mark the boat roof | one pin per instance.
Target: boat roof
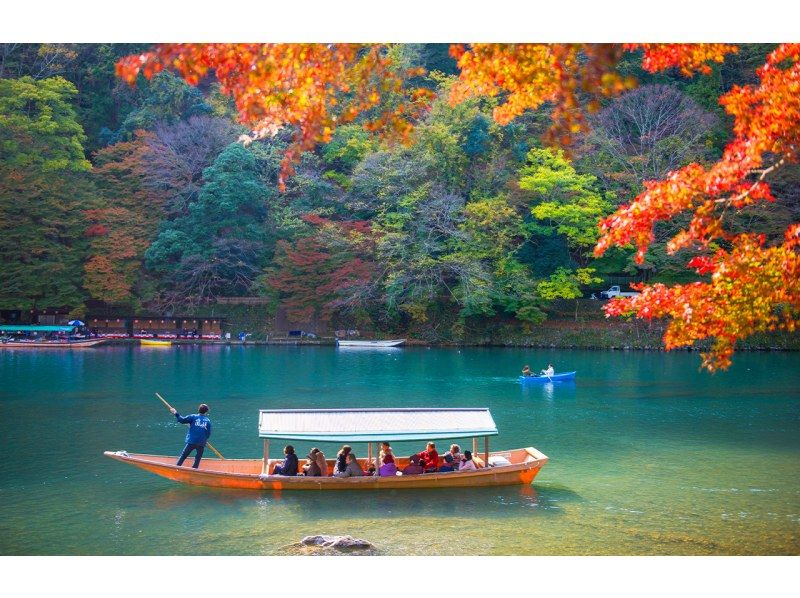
(374, 425)
(34, 328)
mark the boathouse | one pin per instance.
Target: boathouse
(157, 326)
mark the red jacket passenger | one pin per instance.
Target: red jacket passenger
(429, 458)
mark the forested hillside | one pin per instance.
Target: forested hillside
(146, 197)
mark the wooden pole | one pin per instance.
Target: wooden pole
(474, 445)
(211, 446)
(486, 451)
(265, 462)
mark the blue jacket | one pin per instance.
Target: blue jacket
(199, 428)
(290, 464)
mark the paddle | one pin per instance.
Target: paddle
(211, 446)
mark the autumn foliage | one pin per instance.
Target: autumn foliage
(310, 87)
(750, 286)
(753, 287)
(312, 278)
(122, 229)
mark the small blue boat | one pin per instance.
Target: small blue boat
(563, 377)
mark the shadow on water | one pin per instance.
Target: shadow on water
(498, 502)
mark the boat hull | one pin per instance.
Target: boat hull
(155, 343)
(82, 344)
(566, 376)
(246, 474)
(371, 344)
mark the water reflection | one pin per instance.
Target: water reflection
(549, 390)
(500, 502)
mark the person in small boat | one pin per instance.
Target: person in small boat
(413, 467)
(526, 371)
(290, 465)
(341, 459)
(316, 466)
(467, 464)
(549, 371)
(352, 469)
(197, 436)
(429, 458)
(452, 458)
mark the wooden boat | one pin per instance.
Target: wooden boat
(31, 336)
(353, 426)
(563, 377)
(67, 344)
(370, 344)
(152, 342)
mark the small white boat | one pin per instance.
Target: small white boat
(387, 343)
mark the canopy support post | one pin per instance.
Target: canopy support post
(486, 451)
(474, 445)
(265, 462)
(377, 459)
(369, 455)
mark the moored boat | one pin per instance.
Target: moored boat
(30, 336)
(500, 468)
(563, 377)
(152, 342)
(374, 344)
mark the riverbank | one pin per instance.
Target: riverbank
(569, 325)
(622, 336)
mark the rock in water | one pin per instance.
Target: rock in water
(343, 543)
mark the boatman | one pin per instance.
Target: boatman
(197, 436)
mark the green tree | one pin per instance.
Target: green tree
(42, 237)
(44, 190)
(164, 99)
(566, 284)
(220, 246)
(568, 202)
(38, 125)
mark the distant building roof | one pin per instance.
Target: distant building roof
(374, 425)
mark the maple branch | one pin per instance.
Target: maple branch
(763, 174)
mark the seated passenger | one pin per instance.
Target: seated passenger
(452, 458)
(321, 462)
(388, 467)
(386, 449)
(289, 465)
(341, 459)
(526, 371)
(352, 469)
(429, 458)
(467, 464)
(413, 467)
(316, 467)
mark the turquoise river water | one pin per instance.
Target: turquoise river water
(648, 456)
